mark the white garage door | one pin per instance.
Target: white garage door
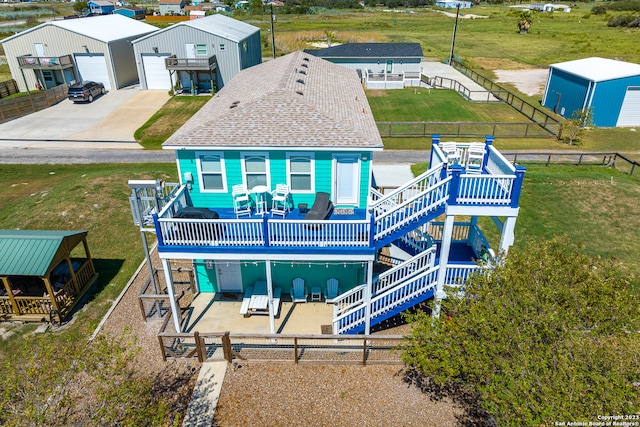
(155, 72)
(93, 67)
(630, 110)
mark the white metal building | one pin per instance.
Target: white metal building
(95, 48)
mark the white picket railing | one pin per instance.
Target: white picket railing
(413, 209)
(212, 232)
(458, 274)
(410, 190)
(485, 190)
(402, 272)
(318, 233)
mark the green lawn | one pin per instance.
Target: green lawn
(173, 114)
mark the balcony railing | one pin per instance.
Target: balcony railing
(48, 62)
(173, 63)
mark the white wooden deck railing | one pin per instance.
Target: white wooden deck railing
(411, 189)
(344, 320)
(318, 233)
(497, 164)
(412, 209)
(404, 271)
(457, 274)
(489, 190)
(212, 232)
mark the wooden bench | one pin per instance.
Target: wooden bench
(244, 308)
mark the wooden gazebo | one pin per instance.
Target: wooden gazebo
(43, 273)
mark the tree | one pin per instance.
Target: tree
(575, 126)
(80, 6)
(551, 334)
(524, 22)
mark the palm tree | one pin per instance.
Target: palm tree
(524, 23)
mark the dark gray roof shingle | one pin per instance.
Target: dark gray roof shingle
(273, 105)
(370, 50)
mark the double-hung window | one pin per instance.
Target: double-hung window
(300, 172)
(211, 172)
(255, 167)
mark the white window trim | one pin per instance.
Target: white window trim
(223, 171)
(264, 154)
(205, 49)
(312, 172)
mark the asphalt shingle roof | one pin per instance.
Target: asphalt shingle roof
(370, 50)
(274, 104)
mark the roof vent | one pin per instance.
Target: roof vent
(305, 65)
(235, 103)
(302, 72)
(305, 59)
(300, 81)
(299, 92)
(233, 106)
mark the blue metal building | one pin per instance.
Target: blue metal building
(611, 88)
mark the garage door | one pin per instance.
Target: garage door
(93, 67)
(630, 110)
(155, 73)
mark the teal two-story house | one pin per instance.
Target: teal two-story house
(277, 201)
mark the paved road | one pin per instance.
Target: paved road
(70, 156)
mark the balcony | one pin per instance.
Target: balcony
(46, 62)
(191, 64)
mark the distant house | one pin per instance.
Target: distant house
(131, 12)
(205, 52)
(57, 52)
(171, 7)
(611, 88)
(380, 65)
(101, 7)
(454, 4)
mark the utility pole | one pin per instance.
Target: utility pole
(453, 37)
(273, 35)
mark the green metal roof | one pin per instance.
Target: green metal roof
(30, 252)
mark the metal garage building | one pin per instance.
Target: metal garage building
(96, 48)
(204, 52)
(611, 88)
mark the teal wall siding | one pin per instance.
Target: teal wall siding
(348, 274)
(608, 99)
(566, 92)
(323, 168)
(206, 278)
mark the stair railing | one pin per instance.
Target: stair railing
(412, 266)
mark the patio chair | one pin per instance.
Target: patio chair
(475, 158)
(298, 290)
(321, 208)
(241, 200)
(453, 153)
(280, 200)
(331, 291)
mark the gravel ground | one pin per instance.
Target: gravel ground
(530, 82)
(287, 394)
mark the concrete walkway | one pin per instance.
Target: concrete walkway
(206, 392)
(438, 69)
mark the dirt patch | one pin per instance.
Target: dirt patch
(530, 82)
(499, 64)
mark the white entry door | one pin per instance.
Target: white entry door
(93, 67)
(39, 47)
(229, 276)
(155, 72)
(346, 180)
(190, 50)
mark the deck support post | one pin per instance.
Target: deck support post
(166, 266)
(507, 238)
(447, 233)
(367, 299)
(272, 322)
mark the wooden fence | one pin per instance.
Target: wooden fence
(8, 87)
(528, 110)
(16, 107)
(469, 129)
(616, 160)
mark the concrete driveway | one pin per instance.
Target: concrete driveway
(108, 122)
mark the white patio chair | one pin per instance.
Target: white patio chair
(331, 291)
(280, 200)
(475, 158)
(298, 290)
(453, 153)
(241, 200)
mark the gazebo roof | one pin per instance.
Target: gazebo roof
(35, 252)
